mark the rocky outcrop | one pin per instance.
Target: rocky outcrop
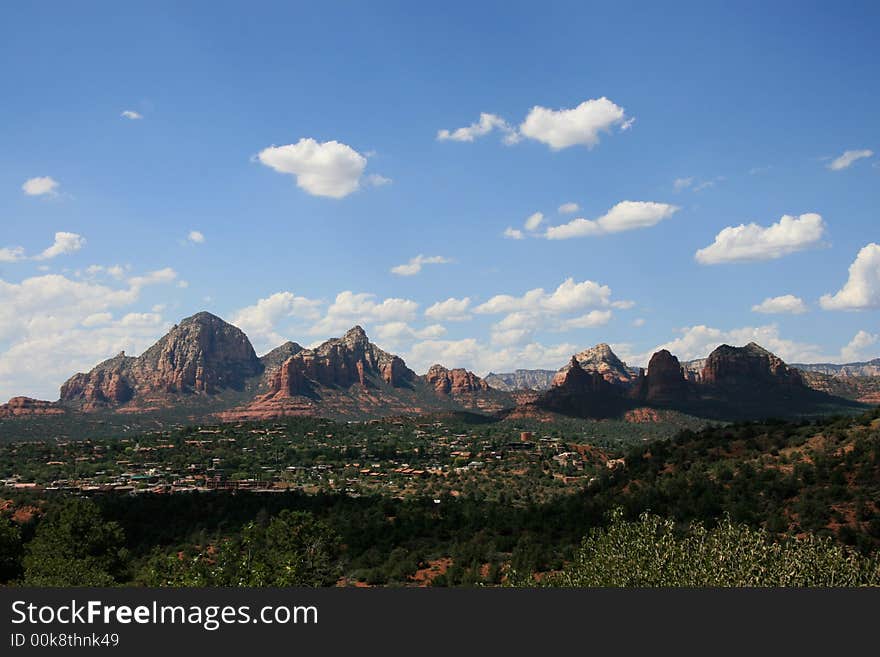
(27, 406)
(665, 379)
(339, 363)
(454, 382)
(863, 369)
(750, 366)
(583, 393)
(521, 380)
(201, 355)
(602, 360)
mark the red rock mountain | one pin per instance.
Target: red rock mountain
(455, 381)
(202, 354)
(750, 366)
(604, 361)
(664, 381)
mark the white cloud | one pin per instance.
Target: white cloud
(682, 183)
(414, 266)
(846, 160)
(260, 321)
(351, 308)
(481, 358)
(592, 319)
(159, 276)
(132, 115)
(40, 186)
(568, 208)
(580, 125)
(626, 215)
(513, 233)
(750, 242)
(64, 243)
(638, 322)
(11, 254)
(785, 304)
(395, 334)
(52, 326)
(451, 310)
(570, 296)
(534, 220)
(329, 168)
(196, 237)
(862, 289)
(377, 180)
(861, 347)
(486, 124)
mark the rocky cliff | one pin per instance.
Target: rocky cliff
(602, 360)
(521, 380)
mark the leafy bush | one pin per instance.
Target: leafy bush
(651, 552)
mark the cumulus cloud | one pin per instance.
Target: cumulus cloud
(570, 296)
(482, 358)
(40, 186)
(513, 233)
(350, 308)
(12, 254)
(846, 160)
(132, 115)
(568, 208)
(751, 242)
(451, 310)
(260, 321)
(331, 168)
(196, 237)
(486, 124)
(862, 289)
(534, 221)
(64, 243)
(785, 304)
(580, 125)
(396, 334)
(626, 215)
(414, 266)
(592, 319)
(52, 326)
(861, 347)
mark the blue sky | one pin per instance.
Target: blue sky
(302, 144)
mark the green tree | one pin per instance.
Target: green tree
(10, 550)
(74, 546)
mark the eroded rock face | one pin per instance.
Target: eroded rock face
(202, 354)
(339, 363)
(748, 366)
(455, 381)
(665, 379)
(27, 406)
(602, 360)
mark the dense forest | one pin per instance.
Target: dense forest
(776, 497)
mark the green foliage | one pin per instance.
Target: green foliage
(292, 549)
(10, 550)
(74, 546)
(650, 552)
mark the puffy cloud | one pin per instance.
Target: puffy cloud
(166, 275)
(351, 308)
(482, 358)
(260, 321)
(40, 186)
(785, 304)
(329, 168)
(52, 326)
(592, 319)
(451, 310)
(11, 254)
(414, 266)
(846, 160)
(486, 124)
(862, 289)
(861, 347)
(570, 296)
(513, 233)
(568, 208)
(638, 322)
(196, 237)
(750, 242)
(64, 243)
(580, 125)
(534, 220)
(395, 334)
(132, 115)
(626, 215)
